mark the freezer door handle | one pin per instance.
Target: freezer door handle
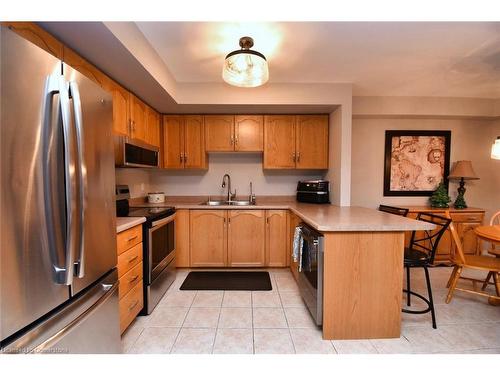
(82, 172)
(63, 274)
(109, 289)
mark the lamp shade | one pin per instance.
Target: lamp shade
(463, 169)
(495, 149)
(245, 67)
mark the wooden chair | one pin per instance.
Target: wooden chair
(394, 210)
(495, 250)
(478, 262)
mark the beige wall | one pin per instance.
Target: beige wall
(243, 169)
(470, 140)
(136, 179)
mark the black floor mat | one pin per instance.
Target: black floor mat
(227, 280)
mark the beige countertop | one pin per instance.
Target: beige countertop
(322, 217)
(124, 223)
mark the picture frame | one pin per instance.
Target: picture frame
(416, 161)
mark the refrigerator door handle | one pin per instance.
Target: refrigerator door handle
(82, 169)
(55, 84)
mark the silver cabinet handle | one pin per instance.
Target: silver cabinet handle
(294, 158)
(298, 156)
(180, 157)
(82, 171)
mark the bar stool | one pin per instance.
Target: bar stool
(394, 210)
(420, 254)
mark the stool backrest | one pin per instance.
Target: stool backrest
(428, 240)
(394, 210)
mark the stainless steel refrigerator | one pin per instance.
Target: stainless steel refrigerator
(59, 288)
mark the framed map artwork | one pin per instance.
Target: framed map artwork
(416, 161)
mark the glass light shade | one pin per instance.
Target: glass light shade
(495, 149)
(245, 69)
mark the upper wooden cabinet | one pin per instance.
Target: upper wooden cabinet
(296, 142)
(246, 238)
(138, 118)
(234, 133)
(121, 118)
(279, 142)
(312, 142)
(277, 238)
(153, 127)
(219, 133)
(36, 35)
(248, 133)
(184, 142)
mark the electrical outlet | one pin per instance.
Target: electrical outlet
(142, 187)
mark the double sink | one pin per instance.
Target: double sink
(228, 203)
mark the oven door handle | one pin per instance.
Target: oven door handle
(163, 221)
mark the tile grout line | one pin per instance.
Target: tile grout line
(218, 322)
(182, 325)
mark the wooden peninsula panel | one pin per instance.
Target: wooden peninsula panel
(363, 277)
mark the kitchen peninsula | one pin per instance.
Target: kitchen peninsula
(363, 257)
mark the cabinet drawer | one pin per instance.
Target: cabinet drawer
(129, 259)
(126, 239)
(130, 305)
(130, 280)
(465, 217)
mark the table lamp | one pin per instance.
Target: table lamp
(462, 170)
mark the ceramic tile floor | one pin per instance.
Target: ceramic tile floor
(278, 322)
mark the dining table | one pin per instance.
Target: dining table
(490, 233)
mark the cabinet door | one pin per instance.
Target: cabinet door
(445, 247)
(246, 238)
(173, 142)
(312, 142)
(468, 237)
(152, 127)
(248, 133)
(194, 142)
(182, 238)
(121, 120)
(219, 132)
(279, 142)
(208, 238)
(294, 266)
(138, 118)
(276, 238)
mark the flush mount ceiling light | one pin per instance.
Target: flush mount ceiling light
(245, 67)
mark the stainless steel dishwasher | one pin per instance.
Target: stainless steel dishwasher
(311, 257)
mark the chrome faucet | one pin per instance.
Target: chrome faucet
(230, 195)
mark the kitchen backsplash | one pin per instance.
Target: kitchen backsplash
(242, 168)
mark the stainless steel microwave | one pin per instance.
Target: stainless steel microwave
(134, 153)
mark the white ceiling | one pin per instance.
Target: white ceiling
(379, 58)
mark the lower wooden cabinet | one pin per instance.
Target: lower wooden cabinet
(182, 238)
(130, 305)
(246, 238)
(208, 238)
(277, 248)
(130, 292)
(233, 238)
(465, 220)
